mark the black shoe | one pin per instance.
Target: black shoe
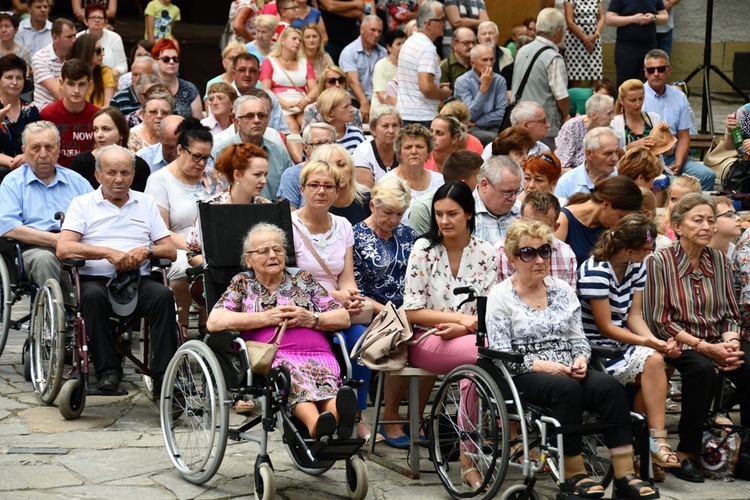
(624, 489)
(688, 471)
(109, 383)
(346, 405)
(325, 426)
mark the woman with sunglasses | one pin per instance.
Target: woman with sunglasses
(448, 256)
(587, 215)
(89, 48)
(177, 188)
(114, 52)
(324, 246)
(187, 101)
(540, 316)
(158, 104)
(610, 286)
(331, 77)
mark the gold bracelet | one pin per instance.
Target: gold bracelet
(695, 347)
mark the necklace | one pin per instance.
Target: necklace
(416, 185)
(526, 295)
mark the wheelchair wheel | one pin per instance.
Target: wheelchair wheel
(595, 457)
(47, 341)
(26, 361)
(480, 431)
(148, 386)
(518, 492)
(6, 300)
(265, 483)
(357, 482)
(72, 399)
(194, 412)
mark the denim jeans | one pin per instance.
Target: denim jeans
(705, 175)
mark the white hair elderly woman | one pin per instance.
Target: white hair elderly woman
(599, 112)
(377, 157)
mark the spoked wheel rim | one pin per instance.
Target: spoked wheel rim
(6, 300)
(47, 346)
(480, 433)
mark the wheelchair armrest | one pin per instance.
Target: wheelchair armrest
(161, 263)
(231, 334)
(508, 357)
(74, 262)
(606, 352)
(196, 270)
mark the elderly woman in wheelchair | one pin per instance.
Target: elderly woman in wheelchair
(266, 296)
(539, 316)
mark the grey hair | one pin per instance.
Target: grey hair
(159, 96)
(146, 80)
(325, 126)
(592, 141)
(243, 99)
(112, 147)
(260, 227)
(150, 60)
(370, 19)
(549, 22)
(382, 111)
(656, 54)
(474, 52)
(524, 111)
(687, 203)
(598, 103)
(426, 12)
(391, 192)
(35, 127)
(484, 24)
(493, 168)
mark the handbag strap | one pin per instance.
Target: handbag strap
(279, 333)
(278, 64)
(525, 78)
(315, 254)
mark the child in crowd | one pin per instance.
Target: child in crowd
(160, 18)
(728, 226)
(287, 14)
(648, 207)
(681, 186)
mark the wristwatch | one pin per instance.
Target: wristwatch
(317, 318)
(150, 250)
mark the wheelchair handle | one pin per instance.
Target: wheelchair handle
(475, 296)
(462, 290)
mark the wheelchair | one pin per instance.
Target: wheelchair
(206, 377)
(485, 436)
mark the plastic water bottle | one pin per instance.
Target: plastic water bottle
(737, 138)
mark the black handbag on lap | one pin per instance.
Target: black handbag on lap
(737, 177)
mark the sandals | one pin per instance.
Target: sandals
(659, 475)
(630, 486)
(516, 456)
(661, 453)
(242, 407)
(476, 484)
(580, 485)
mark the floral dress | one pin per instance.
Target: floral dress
(10, 131)
(398, 12)
(306, 353)
(380, 265)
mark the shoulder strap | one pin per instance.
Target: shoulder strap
(299, 61)
(279, 333)
(528, 72)
(315, 254)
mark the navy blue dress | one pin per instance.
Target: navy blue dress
(581, 239)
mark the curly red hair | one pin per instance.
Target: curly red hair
(162, 45)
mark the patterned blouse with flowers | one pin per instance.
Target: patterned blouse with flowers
(400, 12)
(195, 236)
(429, 281)
(10, 131)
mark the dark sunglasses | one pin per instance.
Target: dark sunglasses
(340, 80)
(166, 59)
(527, 254)
(99, 51)
(544, 157)
(660, 69)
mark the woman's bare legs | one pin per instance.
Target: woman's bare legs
(309, 412)
(395, 389)
(294, 148)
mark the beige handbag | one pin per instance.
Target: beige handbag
(383, 346)
(719, 158)
(262, 354)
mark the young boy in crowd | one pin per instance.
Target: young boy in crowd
(72, 114)
(160, 18)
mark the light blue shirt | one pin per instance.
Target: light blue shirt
(487, 110)
(277, 120)
(154, 156)
(27, 201)
(278, 161)
(576, 181)
(289, 188)
(32, 39)
(355, 57)
(672, 106)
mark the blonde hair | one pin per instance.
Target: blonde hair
(316, 29)
(627, 86)
(266, 21)
(692, 184)
(525, 229)
(326, 152)
(322, 77)
(391, 192)
(457, 108)
(639, 162)
(233, 46)
(329, 99)
(288, 31)
(222, 88)
(320, 167)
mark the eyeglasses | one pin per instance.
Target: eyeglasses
(95, 18)
(467, 43)
(166, 59)
(217, 98)
(332, 81)
(544, 157)
(660, 69)
(527, 254)
(158, 112)
(507, 194)
(198, 158)
(253, 116)
(543, 120)
(438, 20)
(267, 250)
(729, 214)
(318, 144)
(99, 51)
(314, 186)
(250, 71)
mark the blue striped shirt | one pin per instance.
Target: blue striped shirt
(597, 280)
(352, 138)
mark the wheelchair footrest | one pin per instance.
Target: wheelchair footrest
(334, 449)
(97, 392)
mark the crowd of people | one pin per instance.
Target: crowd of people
(418, 155)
